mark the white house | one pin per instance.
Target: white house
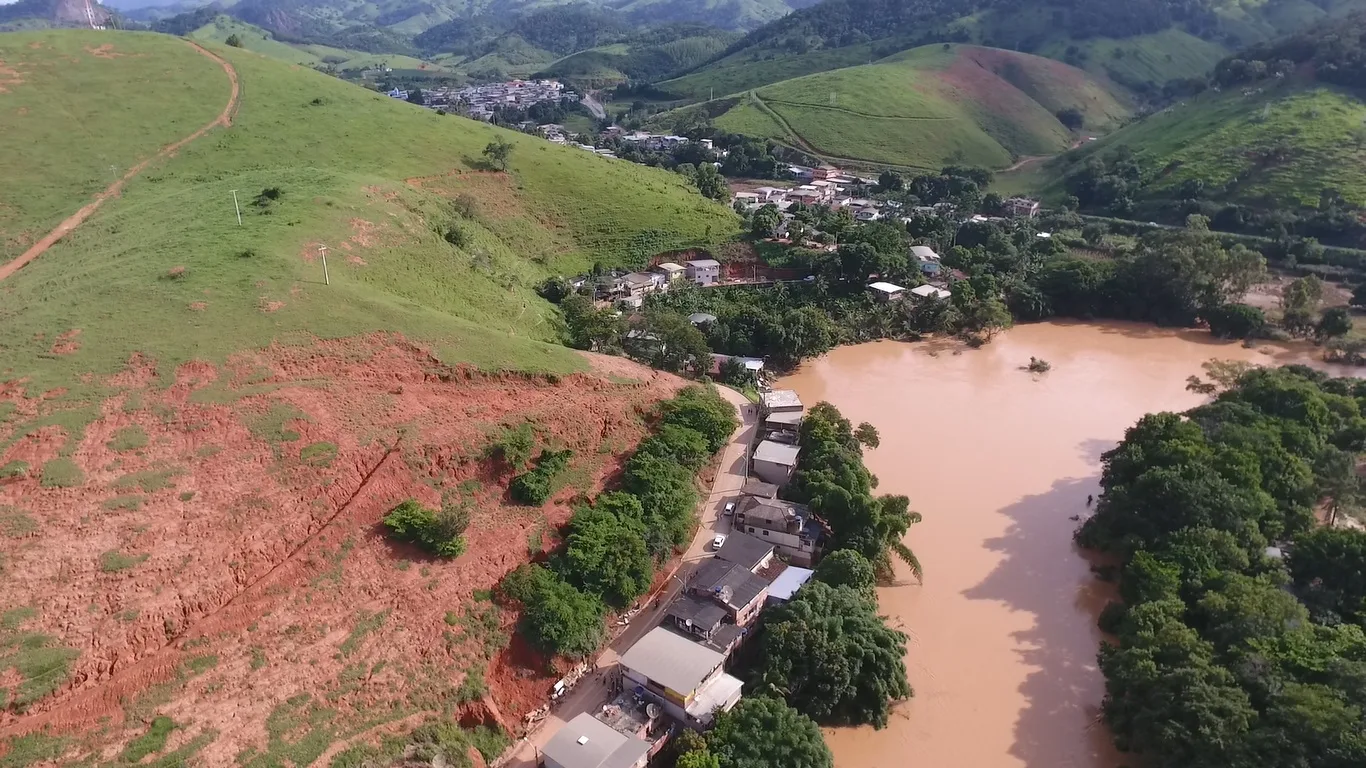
(683, 676)
(775, 462)
(885, 291)
(704, 271)
(586, 742)
(789, 527)
(929, 291)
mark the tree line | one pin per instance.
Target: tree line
(1230, 653)
(613, 544)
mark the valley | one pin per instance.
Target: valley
(465, 384)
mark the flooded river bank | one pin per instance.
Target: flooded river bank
(1002, 650)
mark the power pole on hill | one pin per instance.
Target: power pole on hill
(237, 207)
(326, 279)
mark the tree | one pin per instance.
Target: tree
(1236, 321)
(606, 556)
(1072, 119)
(416, 96)
(890, 181)
(1093, 234)
(698, 759)
(588, 327)
(1299, 301)
(1329, 568)
(836, 660)
(847, 568)
(765, 222)
(701, 409)
(440, 533)
(560, 619)
(1334, 323)
(762, 732)
(711, 183)
(234, 40)
(867, 435)
(1359, 296)
(498, 152)
(676, 343)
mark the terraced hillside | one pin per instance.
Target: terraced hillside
(927, 107)
(202, 423)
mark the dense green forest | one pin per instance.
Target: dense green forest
(1229, 654)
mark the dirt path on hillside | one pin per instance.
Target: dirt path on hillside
(76, 219)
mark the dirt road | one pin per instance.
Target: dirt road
(592, 693)
(76, 219)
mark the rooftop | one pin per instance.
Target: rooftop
(774, 511)
(886, 287)
(628, 714)
(926, 291)
(721, 692)
(697, 318)
(788, 582)
(718, 577)
(777, 453)
(669, 266)
(672, 660)
(756, 487)
(639, 278)
(743, 549)
(704, 263)
(784, 418)
(924, 253)
(780, 398)
(695, 611)
(586, 742)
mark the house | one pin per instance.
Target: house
(745, 550)
(732, 586)
(748, 198)
(866, 214)
(670, 270)
(586, 742)
(780, 400)
(704, 271)
(752, 365)
(768, 193)
(825, 172)
(640, 283)
(885, 291)
(783, 420)
(774, 462)
(789, 527)
(927, 259)
(929, 291)
(1020, 206)
(786, 584)
(760, 489)
(684, 677)
(701, 318)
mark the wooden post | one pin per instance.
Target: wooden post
(238, 207)
(327, 280)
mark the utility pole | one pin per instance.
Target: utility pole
(237, 207)
(326, 279)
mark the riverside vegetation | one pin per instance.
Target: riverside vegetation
(1228, 655)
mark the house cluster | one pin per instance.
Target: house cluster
(931, 267)
(480, 101)
(826, 186)
(675, 676)
(629, 289)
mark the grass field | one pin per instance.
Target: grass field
(254, 38)
(1282, 146)
(166, 271)
(929, 106)
(737, 73)
(70, 95)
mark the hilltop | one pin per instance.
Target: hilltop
(1140, 44)
(199, 434)
(1275, 135)
(928, 107)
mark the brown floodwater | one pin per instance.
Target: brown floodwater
(1003, 639)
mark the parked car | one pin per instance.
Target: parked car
(730, 509)
(719, 541)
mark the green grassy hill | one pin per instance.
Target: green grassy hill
(165, 270)
(928, 107)
(1280, 147)
(643, 57)
(256, 39)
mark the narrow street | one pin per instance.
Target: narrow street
(592, 691)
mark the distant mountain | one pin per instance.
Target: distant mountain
(37, 14)
(1139, 44)
(923, 109)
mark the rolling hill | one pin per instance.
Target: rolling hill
(1139, 44)
(927, 107)
(204, 415)
(254, 38)
(1282, 123)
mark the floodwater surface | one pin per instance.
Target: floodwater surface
(1003, 639)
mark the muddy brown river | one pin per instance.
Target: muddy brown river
(1002, 649)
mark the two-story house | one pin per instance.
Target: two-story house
(686, 678)
(787, 526)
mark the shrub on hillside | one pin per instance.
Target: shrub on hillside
(557, 617)
(535, 487)
(702, 409)
(441, 533)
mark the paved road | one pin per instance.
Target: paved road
(591, 692)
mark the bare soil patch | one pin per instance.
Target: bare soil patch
(66, 343)
(214, 575)
(9, 78)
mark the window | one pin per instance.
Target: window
(765, 533)
(751, 529)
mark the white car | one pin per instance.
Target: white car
(730, 509)
(719, 541)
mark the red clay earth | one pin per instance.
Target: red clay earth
(254, 564)
(76, 219)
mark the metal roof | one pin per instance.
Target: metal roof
(697, 611)
(924, 253)
(671, 660)
(785, 418)
(716, 574)
(788, 582)
(704, 263)
(743, 549)
(586, 742)
(886, 287)
(780, 398)
(777, 453)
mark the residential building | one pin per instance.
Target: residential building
(704, 271)
(745, 550)
(929, 291)
(705, 622)
(670, 270)
(786, 584)
(788, 526)
(926, 256)
(775, 462)
(780, 400)
(701, 318)
(586, 742)
(684, 677)
(732, 586)
(1021, 206)
(783, 420)
(885, 291)
(756, 487)
(638, 284)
